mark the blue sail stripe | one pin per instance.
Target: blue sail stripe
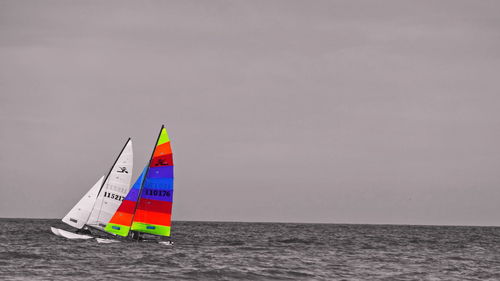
(158, 183)
(134, 191)
(161, 172)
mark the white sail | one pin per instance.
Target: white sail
(79, 214)
(114, 189)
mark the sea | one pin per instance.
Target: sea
(255, 251)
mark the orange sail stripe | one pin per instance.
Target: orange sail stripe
(122, 218)
(162, 149)
(152, 217)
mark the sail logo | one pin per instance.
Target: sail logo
(123, 170)
(161, 162)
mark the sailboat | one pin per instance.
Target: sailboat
(145, 213)
(97, 206)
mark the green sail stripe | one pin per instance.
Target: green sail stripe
(122, 231)
(163, 137)
(153, 228)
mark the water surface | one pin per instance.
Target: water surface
(256, 251)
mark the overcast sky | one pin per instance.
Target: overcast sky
(294, 111)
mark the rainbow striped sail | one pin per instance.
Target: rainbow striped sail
(148, 206)
(121, 221)
(154, 208)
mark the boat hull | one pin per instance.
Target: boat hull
(106, 241)
(69, 235)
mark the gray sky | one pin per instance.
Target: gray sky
(304, 111)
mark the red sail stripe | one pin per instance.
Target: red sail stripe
(152, 217)
(127, 206)
(163, 160)
(155, 205)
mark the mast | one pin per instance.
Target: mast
(146, 175)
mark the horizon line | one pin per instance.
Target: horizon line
(289, 222)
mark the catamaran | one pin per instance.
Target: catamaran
(145, 213)
(97, 206)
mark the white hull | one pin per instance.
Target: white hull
(69, 235)
(106, 241)
(55, 231)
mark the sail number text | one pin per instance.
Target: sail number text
(113, 196)
(155, 192)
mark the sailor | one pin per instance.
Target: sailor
(84, 230)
